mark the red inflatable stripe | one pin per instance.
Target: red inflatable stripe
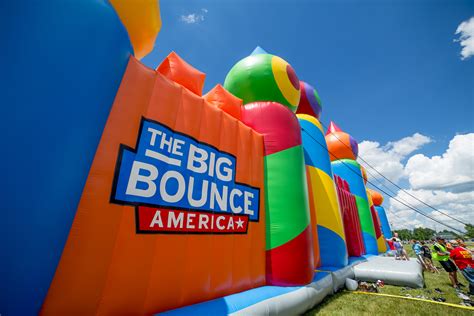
(350, 215)
(291, 272)
(280, 130)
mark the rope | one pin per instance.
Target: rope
(416, 299)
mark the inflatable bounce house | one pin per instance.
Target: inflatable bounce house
(128, 191)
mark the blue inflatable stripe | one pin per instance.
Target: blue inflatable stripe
(62, 63)
(370, 243)
(387, 232)
(327, 269)
(315, 148)
(355, 260)
(332, 248)
(235, 302)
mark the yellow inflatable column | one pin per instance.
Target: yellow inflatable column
(142, 20)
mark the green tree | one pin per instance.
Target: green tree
(469, 230)
(404, 234)
(421, 233)
(450, 232)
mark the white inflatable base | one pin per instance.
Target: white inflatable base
(275, 300)
(339, 276)
(293, 303)
(391, 271)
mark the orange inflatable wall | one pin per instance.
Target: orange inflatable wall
(107, 266)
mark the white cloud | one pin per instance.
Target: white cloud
(407, 145)
(445, 182)
(457, 205)
(453, 171)
(388, 158)
(193, 18)
(466, 38)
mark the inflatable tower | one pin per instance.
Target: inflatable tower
(270, 91)
(343, 150)
(326, 217)
(377, 198)
(350, 215)
(381, 243)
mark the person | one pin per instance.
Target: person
(426, 253)
(462, 257)
(405, 254)
(441, 254)
(448, 245)
(391, 246)
(398, 248)
(416, 246)
(395, 235)
(461, 243)
(401, 251)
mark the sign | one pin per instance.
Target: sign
(181, 185)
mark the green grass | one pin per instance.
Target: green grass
(345, 303)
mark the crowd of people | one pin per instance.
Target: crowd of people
(452, 256)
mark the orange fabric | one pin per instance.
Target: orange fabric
(224, 100)
(377, 198)
(179, 71)
(106, 267)
(339, 146)
(314, 222)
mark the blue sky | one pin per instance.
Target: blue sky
(384, 70)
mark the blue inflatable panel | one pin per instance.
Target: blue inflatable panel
(319, 276)
(387, 232)
(314, 145)
(235, 302)
(327, 269)
(356, 260)
(332, 248)
(370, 243)
(352, 175)
(62, 63)
(232, 303)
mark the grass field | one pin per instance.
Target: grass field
(346, 303)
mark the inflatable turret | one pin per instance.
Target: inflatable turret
(270, 91)
(325, 212)
(343, 150)
(377, 197)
